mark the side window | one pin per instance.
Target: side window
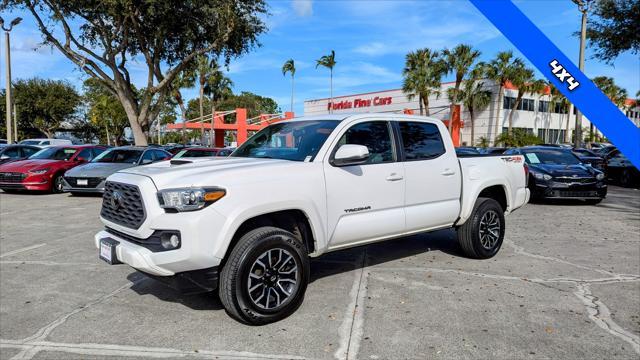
(97, 151)
(421, 140)
(159, 155)
(29, 151)
(85, 154)
(12, 153)
(375, 136)
(147, 157)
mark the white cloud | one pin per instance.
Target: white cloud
(302, 7)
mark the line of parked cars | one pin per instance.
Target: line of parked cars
(45, 165)
(563, 172)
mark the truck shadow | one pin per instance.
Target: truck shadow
(334, 263)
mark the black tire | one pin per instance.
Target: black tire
(11, 191)
(56, 184)
(593, 201)
(242, 272)
(625, 178)
(490, 213)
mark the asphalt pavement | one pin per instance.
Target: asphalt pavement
(565, 285)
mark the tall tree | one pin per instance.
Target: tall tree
(475, 96)
(328, 61)
(523, 81)
(43, 105)
(290, 67)
(100, 37)
(218, 88)
(105, 112)
(205, 69)
(458, 60)
(501, 70)
(186, 79)
(614, 28)
(422, 73)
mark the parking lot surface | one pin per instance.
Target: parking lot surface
(566, 284)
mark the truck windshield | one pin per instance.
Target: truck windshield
(296, 141)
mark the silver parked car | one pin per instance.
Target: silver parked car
(90, 178)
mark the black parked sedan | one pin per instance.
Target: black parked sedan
(556, 173)
(588, 157)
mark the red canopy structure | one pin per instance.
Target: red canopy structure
(241, 126)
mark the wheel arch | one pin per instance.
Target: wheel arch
(493, 190)
(293, 220)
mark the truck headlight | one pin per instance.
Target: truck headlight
(600, 177)
(189, 199)
(541, 176)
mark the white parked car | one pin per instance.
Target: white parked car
(46, 142)
(246, 225)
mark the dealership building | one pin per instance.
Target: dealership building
(533, 115)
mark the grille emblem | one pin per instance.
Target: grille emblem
(116, 200)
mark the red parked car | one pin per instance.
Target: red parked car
(43, 170)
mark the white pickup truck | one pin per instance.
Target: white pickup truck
(246, 225)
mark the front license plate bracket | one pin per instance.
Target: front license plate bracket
(107, 251)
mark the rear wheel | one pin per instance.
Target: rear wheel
(480, 237)
(265, 276)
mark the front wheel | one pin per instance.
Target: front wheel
(57, 185)
(265, 277)
(480, 237)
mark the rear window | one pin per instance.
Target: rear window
(420, 140)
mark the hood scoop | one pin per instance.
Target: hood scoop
(180, 162)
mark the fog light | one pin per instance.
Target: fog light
(170, 241)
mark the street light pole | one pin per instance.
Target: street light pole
(583, 7)
(9, 113)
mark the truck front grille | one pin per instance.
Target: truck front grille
(122, 204)
(12, 177)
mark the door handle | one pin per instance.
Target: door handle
(394, 177)
(448, 172)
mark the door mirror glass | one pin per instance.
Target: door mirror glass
(146, 161)
(350, 154)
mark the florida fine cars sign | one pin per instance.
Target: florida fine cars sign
(359, 103)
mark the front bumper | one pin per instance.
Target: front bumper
(97, 189)
(556, 190)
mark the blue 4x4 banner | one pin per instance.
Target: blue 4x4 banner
(564, 75)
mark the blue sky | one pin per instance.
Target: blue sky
(370, 38)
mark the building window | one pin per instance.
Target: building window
(508, 102)
(543, 106)
(525, 104)
(560, 109)
(551, 136)
(529, 131)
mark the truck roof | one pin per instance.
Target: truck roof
(343, 116)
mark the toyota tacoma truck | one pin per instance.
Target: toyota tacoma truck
(247, 225)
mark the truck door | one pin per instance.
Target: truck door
(432, 176)
(365, 201)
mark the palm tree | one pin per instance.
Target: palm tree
(185, 79)
(422, 74)
(474, 96)
(459, 61)
(524, 83)
(290, 66)
(204, 69)
(218, 88)
(328, 61)
(501, 70)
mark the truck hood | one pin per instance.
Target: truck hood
(205, 171)
(24, 166)
(97, 170)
